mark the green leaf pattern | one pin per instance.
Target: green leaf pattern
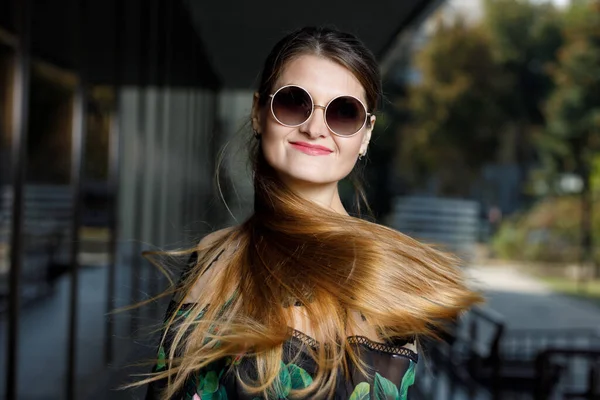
(283, 385)
(211, 383)
(384, 389)
(300, 378)
(407, 380)
(361, 392)
(162, 359)
(183, 313)
(200, 384)
(292, 377)
(209, 387)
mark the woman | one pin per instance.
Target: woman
(303, 300)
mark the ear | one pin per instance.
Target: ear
(367, 138)
(256, 118)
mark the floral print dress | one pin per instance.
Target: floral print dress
(391, 368)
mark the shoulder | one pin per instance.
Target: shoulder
(214, 237)
(222, 252)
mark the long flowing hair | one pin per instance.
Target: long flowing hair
(292, 251)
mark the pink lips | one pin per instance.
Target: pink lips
(311, 149)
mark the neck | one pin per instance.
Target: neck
(326, 195)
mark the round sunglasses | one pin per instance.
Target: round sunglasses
(292, 106)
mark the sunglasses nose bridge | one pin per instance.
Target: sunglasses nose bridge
(312, 113)
(324, 108)
(311, 119)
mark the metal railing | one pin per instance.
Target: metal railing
(579, 376)
(481, 359)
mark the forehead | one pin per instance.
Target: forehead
(322, 77)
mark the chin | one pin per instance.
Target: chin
(305, 172)
(308, 176)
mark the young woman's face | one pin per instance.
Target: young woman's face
(311, 153)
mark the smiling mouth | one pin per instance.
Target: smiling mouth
(311, 149)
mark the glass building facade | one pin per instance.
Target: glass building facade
(108, 145)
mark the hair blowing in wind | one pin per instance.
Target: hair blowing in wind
(293, 251)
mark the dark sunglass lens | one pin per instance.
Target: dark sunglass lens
(292, 105)
(345, 115)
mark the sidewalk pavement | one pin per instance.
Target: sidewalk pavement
(527, 303)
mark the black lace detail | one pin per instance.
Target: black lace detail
(361, 340)
(384, 348)
(304, 338)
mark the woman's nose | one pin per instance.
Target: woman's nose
(316, 125)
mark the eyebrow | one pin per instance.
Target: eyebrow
(362, 96)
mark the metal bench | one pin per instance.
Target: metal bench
(452, 223)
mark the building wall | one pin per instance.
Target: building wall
(167, 166)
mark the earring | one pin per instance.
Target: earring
(360, 156)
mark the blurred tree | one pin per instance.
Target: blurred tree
(456, 116)
(595, 175)
(481, 94)
(573, 109)
(525, 37)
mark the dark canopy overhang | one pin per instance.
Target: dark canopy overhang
(213, 44)
(239, 34)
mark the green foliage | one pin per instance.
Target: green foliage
(524, 37)
(549, 232)
(509, 23)
(595, 174)
(480, 97)
(509, 240)
(573, 109)
(456, 118)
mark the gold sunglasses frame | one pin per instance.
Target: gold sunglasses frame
(324, 108)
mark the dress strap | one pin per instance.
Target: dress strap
(189, 266)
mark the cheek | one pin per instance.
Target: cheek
(272, 140)
(271, 129)
(348, 148)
